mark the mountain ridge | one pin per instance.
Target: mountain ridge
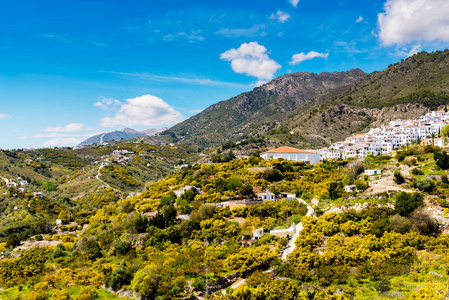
(313, 110)
(125, 133)
(273, 100)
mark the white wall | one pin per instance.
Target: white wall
(313, 158)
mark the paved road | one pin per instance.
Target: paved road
(291, 244)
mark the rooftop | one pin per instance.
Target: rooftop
(286, 149)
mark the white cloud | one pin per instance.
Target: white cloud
(405, 52)
(280, 16)
(72, 127)
(251, 59)
(162, 78)
(105, 103)
(62, 142)
(256, 30)
(300, 57)
(56, 134)
(146, 110)
(294, 2)
(192, 36)
(3, 116)
(406, 21)
(359, 19)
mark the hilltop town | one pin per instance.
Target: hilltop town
(397, 134)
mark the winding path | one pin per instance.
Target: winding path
(291, 244)
(98, 175)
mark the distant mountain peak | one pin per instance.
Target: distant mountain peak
(129, 130)
(125, 133)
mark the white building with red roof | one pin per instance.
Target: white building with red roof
(289, 153)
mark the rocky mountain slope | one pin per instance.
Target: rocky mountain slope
(271, 102)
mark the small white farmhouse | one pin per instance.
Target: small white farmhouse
(290, 153)
(266, 196)
(349, 188)
(373, 172)
(287, 196)
(178, 193)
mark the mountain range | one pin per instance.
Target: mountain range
(125, 133)
(314, 110)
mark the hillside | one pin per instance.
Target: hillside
(386, 239)
(270, 103)
(405, 90)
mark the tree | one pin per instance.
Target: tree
(61, 295)
(425, 185)
(423, 223)
(169, 215)
(398, 178)
(49, 186)
(406, 203)
(433, 136)
(146, 281)
(383, 285)
(441, 159)
(400, 224)
(119, 277)
(335, 190)
(445, 133)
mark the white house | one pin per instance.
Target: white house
(287, 196)
(349, 188)
(178, 193)
(294, 154)
(373, 172)
(266, 196)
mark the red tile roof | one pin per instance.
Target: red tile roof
(286, 149)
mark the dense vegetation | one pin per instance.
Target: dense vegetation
(64, 158)
(384, 244)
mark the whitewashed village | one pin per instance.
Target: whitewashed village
(385, 139)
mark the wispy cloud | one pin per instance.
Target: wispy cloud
(300, 57)
(4, 116)
(62, 142)
(106, 103)
(72, 127)
(74, 41)
(359, 19)
(294, 2)
(186, 80)
(405, 52)
(256, 30)
(191, 111)
(280, 16)
(192, 36)
(57, 135)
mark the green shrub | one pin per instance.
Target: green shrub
(398, 178)
(406, 203)
(425, 185)
(416, 171)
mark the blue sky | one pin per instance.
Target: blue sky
(72, 69)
